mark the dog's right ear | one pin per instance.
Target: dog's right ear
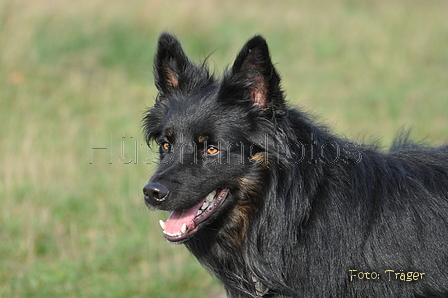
(170, 64)
(253, 78)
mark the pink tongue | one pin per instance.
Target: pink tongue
(176, 219)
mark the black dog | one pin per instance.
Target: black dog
(277, 206)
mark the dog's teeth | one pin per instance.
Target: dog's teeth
(162, 224)
(173, 235)
(199, 212)
(205, 205)
(184, 228)
(210, 197)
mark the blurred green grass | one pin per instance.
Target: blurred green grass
(78, 75)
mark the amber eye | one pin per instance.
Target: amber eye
(166, 146)
(212, 150)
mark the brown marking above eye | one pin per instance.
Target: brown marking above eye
(169, 132)
(212, 150)
(202, 139)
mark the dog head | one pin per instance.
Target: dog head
(211, 135)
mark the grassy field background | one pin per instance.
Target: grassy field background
(77, 75)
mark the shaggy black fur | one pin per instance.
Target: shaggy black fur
(298, 212)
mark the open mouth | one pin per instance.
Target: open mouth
(184, 223)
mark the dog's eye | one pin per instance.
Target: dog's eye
(212, 150)
(166, 146)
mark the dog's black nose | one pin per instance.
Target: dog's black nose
(155, 193)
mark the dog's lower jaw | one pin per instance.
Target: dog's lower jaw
(183, 224)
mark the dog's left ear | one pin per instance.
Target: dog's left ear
(253, 67)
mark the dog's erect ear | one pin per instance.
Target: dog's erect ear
(254, 67)
(169, 64)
